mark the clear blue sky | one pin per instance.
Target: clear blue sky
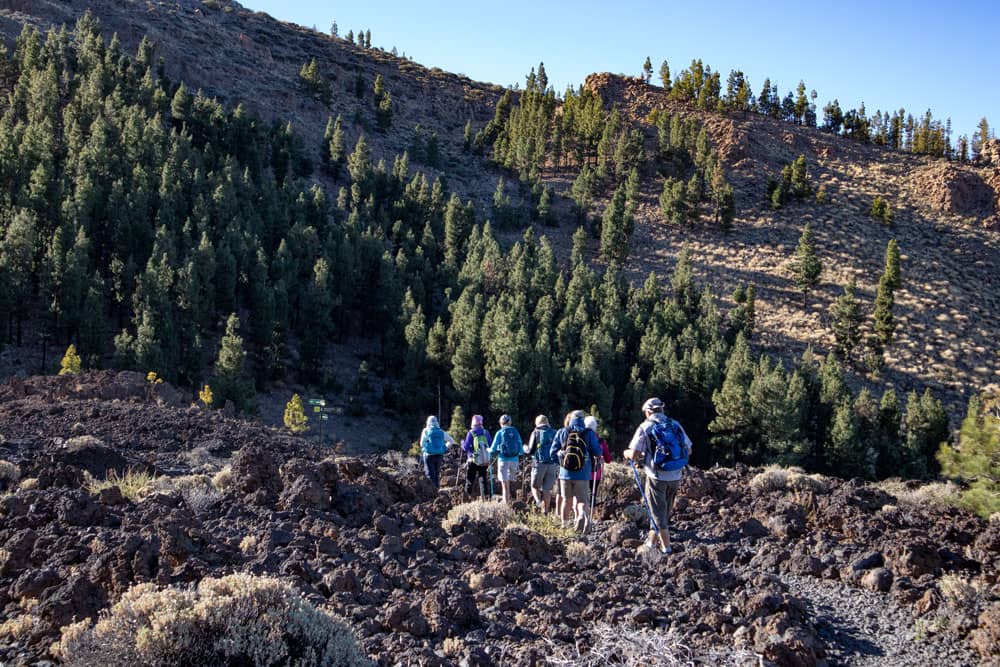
(916, 54)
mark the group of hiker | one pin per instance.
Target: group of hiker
(574, 456)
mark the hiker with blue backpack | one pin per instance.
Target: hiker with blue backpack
(507, 445)
(434, 443)
(544, 466)
(574, 446)
(663, 448)
(476, 446)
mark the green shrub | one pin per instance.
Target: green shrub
(236, 620)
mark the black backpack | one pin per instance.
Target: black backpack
(575, 453)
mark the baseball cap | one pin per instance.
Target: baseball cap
(652, 405)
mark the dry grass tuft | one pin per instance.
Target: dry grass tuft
(546, 525)
(134, 484)
(486, 511)
(19, 627)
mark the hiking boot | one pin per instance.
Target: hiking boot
(581, 524)
(666, 550)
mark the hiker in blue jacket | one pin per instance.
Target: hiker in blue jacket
(661, 481)
(574, 446)
(508, 446)
(476, 446)
(434, 443)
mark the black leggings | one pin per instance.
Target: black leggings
(474, 472)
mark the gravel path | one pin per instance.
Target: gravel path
(865, 628)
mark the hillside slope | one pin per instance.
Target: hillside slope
(946, 214)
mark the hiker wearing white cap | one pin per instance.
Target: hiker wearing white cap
(544, 466)
(663, 448)
(507, 445)
(598, 468)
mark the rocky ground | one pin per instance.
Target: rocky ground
(768, 565)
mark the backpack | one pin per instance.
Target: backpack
(575, 452)
(668, 452)
(508, 447)
(480, 449)
(543, 445)
(435, 442)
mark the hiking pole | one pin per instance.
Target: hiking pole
(642, 494)
(490, 467)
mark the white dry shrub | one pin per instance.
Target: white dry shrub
(962, 593)
(935, 494)
(239, 619)
(486, 511)
(639, 647)
(777, 478)
(198, 491)
(401, 463)
(579, 554)
(616, 476)
(772, 478)
(9, 475)
(223, 479)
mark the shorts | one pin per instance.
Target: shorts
(508, 471)
(661, 497)
(544, 475)
(577, 489)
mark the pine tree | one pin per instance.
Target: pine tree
(647, 70)
(617, 226)
(847, 317)
(71, 364)
(976, 459)
(885, 324)
(807, 265)
(295, 415)
(665, 75)
(335, 147)
(926, 428)
(892, 272)
(383, 115)
(733, 425)
(232, 383)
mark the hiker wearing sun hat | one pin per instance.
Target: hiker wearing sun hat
(476, 446)
(544, 466)
(663, 448)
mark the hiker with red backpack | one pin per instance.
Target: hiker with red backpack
(476, 446)
(598, 468)
(663, 448)
(434, 443)
(574, 446)
(507, 445)
(544, 466)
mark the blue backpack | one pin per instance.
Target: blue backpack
(435, 441)
(508, 446)
(543, 445)
(668, 450)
